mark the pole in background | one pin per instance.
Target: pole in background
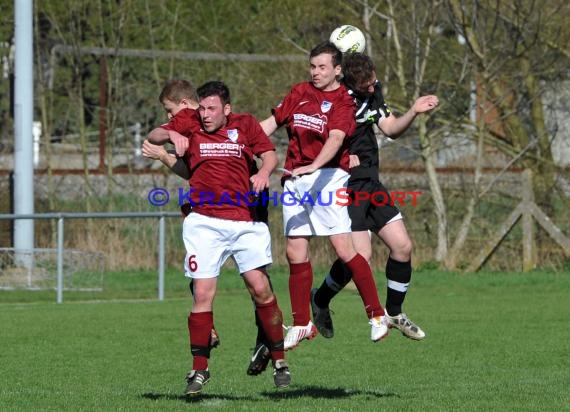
(102, 111)
(37, 134)
(23, 138)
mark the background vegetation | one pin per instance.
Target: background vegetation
(99, 67)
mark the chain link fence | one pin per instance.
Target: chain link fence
(37, 269)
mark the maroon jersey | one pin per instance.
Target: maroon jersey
(220, 163)
(309, 114)
(183, 122)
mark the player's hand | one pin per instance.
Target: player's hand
(180, 142)
(425, 103)
(303, 170)
(259, 182)
(353, 161)
(153, 151)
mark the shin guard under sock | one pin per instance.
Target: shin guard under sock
(271, 319)
(398, 275)
(364, 281)
(300, 283)
(199, 327)
(334, 282)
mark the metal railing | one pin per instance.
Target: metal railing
(99, 215)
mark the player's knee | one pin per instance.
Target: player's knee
(296, 255)
(203, 294)
(367, 255)
(263, 296)
(345, 252)
(402, 251)
(202, 303)
(345, 255)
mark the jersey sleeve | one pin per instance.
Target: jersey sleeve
(184, 122)
(383, 111)
(285, 108)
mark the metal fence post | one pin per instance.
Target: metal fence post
(161, 258)
(96, 215)
(59, 286)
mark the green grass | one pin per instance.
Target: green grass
(496, 341)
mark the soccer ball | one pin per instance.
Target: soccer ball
(348, 39)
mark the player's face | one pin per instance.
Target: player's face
(213, 113)
(172, 108)
(323, 73)
(367, 88)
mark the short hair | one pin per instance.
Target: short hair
(328, 48)
(357, 69)
(176, 90)
(215, 88)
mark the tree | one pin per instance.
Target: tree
(420, 57)
(515, 46)
(512, 49)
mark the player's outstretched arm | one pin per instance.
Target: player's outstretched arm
(393, 126)
(269, 125)
(425, 103)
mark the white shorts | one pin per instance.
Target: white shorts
(311, 204)
(210, 241)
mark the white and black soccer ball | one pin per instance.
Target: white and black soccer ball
(348, 39)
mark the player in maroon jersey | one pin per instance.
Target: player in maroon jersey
(219, 147)
(179, 94)
(319, 115)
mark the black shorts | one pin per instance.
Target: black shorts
(261, 209)
(372, 213)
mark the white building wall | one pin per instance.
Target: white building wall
(557, 113)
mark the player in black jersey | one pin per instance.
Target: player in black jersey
(373, 213)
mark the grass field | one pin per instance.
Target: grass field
(496, 342)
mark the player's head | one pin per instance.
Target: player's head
(359, 73)
(214, 105)
(177, 94)
(325, 60)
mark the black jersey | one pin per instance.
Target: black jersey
(363, 143)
